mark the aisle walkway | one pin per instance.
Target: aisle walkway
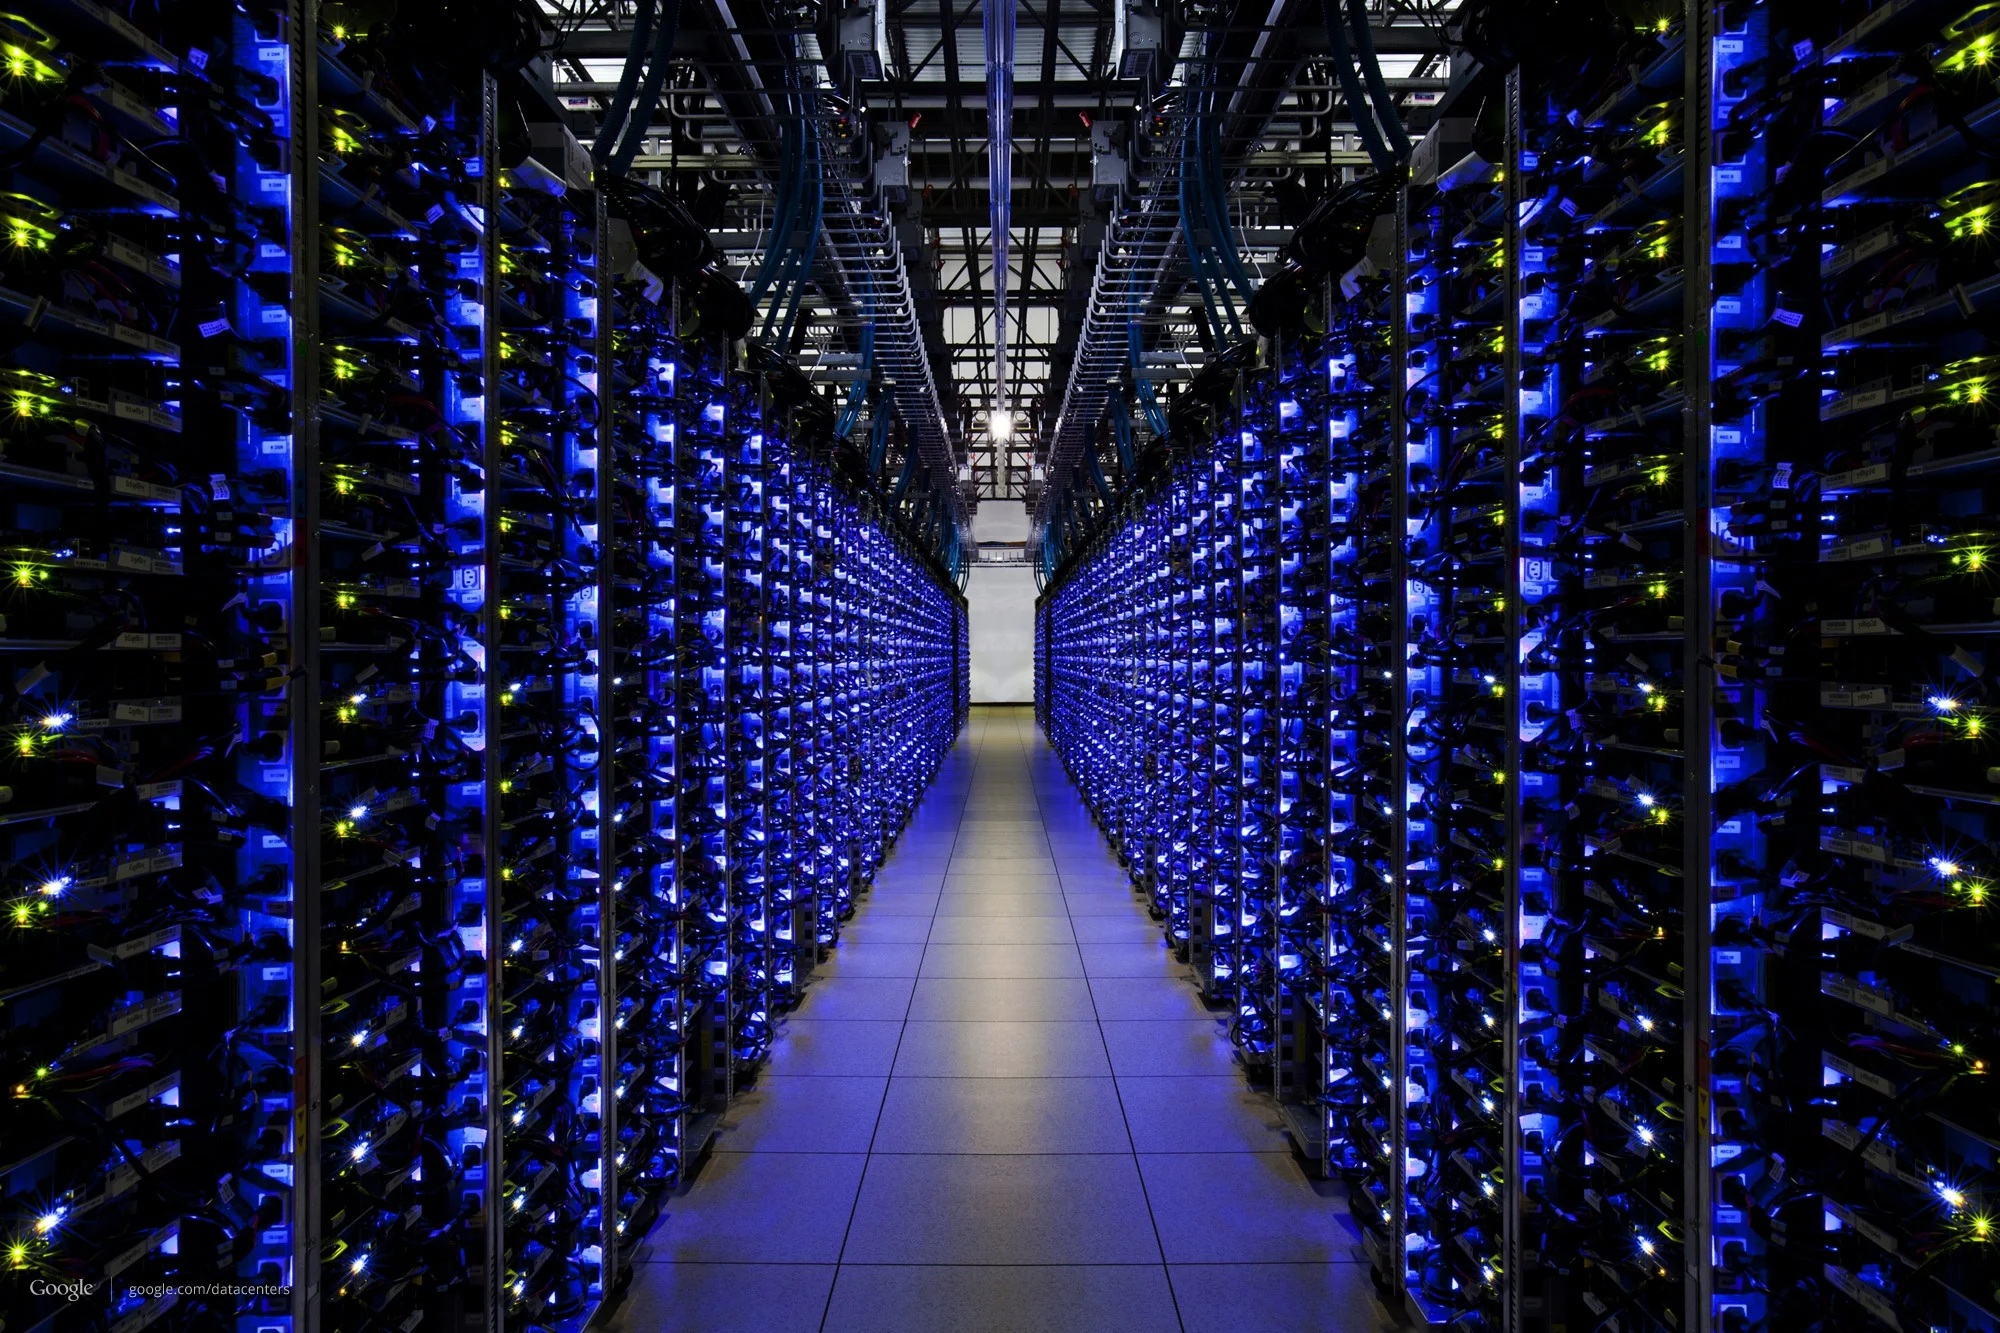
(1001, 1108)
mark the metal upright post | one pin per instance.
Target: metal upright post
(304, 690)
(1513, 1251)
(492, 1158)
(607, 765)
(1399, 757)
(1697, 672)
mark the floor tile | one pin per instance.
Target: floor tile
(1027, 844)
(762, 1207)
(974, 862)
(1129, 929)
(1152, 1046)
(1221, 1207)
(1037, 886)
(1046, 890)
(897, 902)
(906, 859)
(1002, 1115)
(1003, 903)
(725, 1298)
(878, 929)
(844, 995)
(998, 857)
(1116, 888)
(789, 1113)
(1119, 998)
(808, 1046)
(1003, 960)
(909, 860)
(923, 874)
(1002, 1048)
(1130, 960)
(1001, 1210)
(1122, 906)
(1201, 1113)
(1278, 1298)
(1002, 930)
(874, 958)
(987, 1299)
(960, 999)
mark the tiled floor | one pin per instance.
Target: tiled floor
(1001, 1108)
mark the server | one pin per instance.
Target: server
(450, 702)
(1546, 683)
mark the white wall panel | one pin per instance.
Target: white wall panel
(1002, 602)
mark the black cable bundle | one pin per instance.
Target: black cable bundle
(1332, 239)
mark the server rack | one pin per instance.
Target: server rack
(552, 833)
(357, 963)
(1694, 317)
(150, 872)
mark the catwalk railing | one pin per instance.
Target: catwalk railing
(1549, 702)
(452, 709)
